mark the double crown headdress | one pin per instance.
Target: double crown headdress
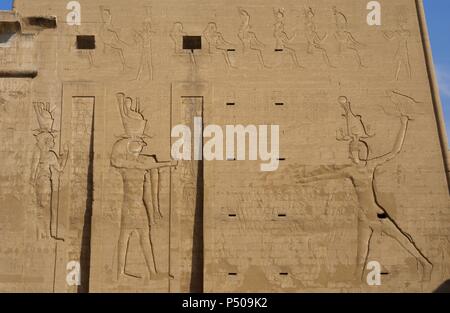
(133, 121)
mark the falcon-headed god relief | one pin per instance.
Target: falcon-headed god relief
(45, 170)
(372, 216)
(138, 211)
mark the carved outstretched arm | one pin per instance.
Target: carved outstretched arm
(399, 142)
(326, 176)
(389, 35)
(353, 39)
(151, 162)
(121, 162)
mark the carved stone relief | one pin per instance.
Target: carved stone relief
(372, 216)
(248, 37)
(140, 209)
(45, 170)
(283, 41)
(345, 39)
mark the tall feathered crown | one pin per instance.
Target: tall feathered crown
(133, 121)
(44, 116)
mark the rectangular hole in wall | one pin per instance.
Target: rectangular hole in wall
(278, 50)
(86, 42)
(232, 215)
(281, 159)
(231, 50)
(8, 30)
(231, 103)
(42, 21)
(282, 215)
(192, 42)
(284, 274)
(279, 103)
(232, 274)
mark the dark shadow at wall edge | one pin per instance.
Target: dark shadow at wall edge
(85, 254)
(443, 288)
(196, 284)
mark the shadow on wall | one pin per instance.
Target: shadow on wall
(443, 288)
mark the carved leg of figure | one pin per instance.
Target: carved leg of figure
(141, 66)
(227, 59)
(293, 55)
(154, 176)
(147, 248)
(42, 226)
(408, 66)
(261, 58)
(148, 59)
(398, 69)
(392, 230)
(325, 57)
(358, 56)
(122, 247)
(364, 237)
(44, 192)
(91, 59)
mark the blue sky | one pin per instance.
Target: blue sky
(437, 12)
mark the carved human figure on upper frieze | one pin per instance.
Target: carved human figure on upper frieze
(138, 211)
(283, 41)
(110, 36)
(372, 216)
(144, 37)
(248, 37)
(315, 40)
(45, 170)
(346, 40)
(216, 42)
(176, 35)
(401, 57)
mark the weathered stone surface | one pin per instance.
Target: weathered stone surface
(86, 172)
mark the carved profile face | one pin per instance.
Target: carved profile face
(128, 102)
(106, 16)
(46, 141)
(177, 28)
(135, 146)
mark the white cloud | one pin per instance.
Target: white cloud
(443, 76)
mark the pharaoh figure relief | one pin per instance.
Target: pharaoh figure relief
(140, 209)
(248, 37)
(315, 40)
(283, 41)
(346, 40)
(109, 34)
(400, 37)
(46, 168)
(372, 216)
(217, 43)
(144, 38)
